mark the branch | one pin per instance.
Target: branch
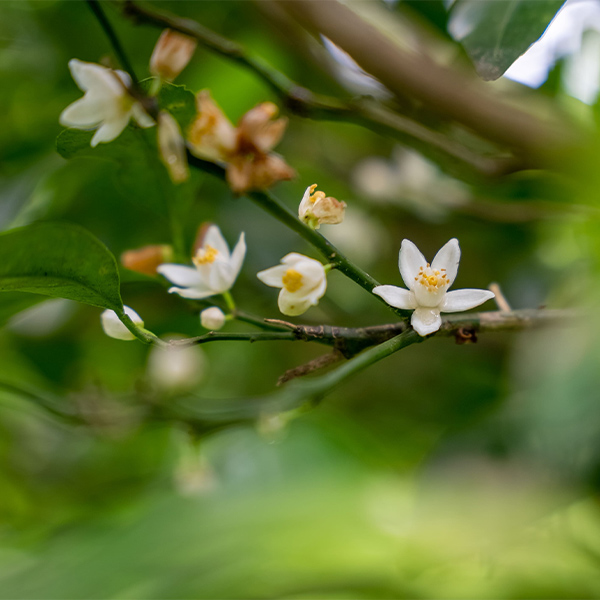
(112, 36)
(448, 92)
(349, 341)
(305, 103)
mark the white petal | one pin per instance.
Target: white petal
(460, 300)
(396, 296)
(291, 305)
(426, 320)
(110, 130)
(448, 257)
(86, 113)
(113, 327)
(293, 258)
(142, 118)
(313, 273)
(410, 261)
(237, 256)
(181, 275)
(86, 75)
(192, 293)
(220, 276)
(215, 238)
(273, 276)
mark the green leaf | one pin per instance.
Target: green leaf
(496, 32)
(180, 102)
(59, 260)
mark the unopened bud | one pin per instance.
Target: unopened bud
(171, 54)
(212, 318)
(145, 260)
(114, 328)
(171, 146)
(317, 208)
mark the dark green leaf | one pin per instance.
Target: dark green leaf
(59, 260)
(496, 32)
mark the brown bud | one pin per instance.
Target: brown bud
(171, 54)
(171, 147)
(145, 260)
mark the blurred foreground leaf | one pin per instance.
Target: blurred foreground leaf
(12, 303)
(495, 33)
(59, 260)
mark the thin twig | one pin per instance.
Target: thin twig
(499, 297)
(112, 36)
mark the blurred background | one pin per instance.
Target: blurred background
(444, 471)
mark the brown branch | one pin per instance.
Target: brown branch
(325, 360)
(449, 92)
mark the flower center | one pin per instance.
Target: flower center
(432, 280)
(205, 256)
(292, 280)
(314, 196)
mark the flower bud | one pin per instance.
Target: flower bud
(316, 208)
(212, 318)
(171, 147)
(114, 328)
(146, 259)
(171, 54)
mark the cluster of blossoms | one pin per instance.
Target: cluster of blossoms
(246, 152)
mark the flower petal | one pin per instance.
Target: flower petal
(113, 327)
(396, 296)
(238, 255)
(273, 276)
(142, 118)
(448, 257)
(215, 238)
(460, 300)
(192, 293)
(426, 320)
(86, 112)
(110, 130)
(410, 261)
(181, 275)
(292, 305)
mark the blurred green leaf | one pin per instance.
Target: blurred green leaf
(179, 101)
(496, 32)
(59, 260)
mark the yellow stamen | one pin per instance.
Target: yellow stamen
(205, 255)
(431, 279)
(292, 280)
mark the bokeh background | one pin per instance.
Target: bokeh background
(444, 471)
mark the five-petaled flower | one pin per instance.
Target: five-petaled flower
(317, 208)
(302, 281)
(427, 287)
(106, 105)
(215, 269)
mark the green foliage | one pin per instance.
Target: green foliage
(496, 32)
(59, 260)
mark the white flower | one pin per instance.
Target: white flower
(114, 328)
(316, 208)
(427, 287)
(212, 318)
(302, 281)
(106, 104)
(215, 269)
